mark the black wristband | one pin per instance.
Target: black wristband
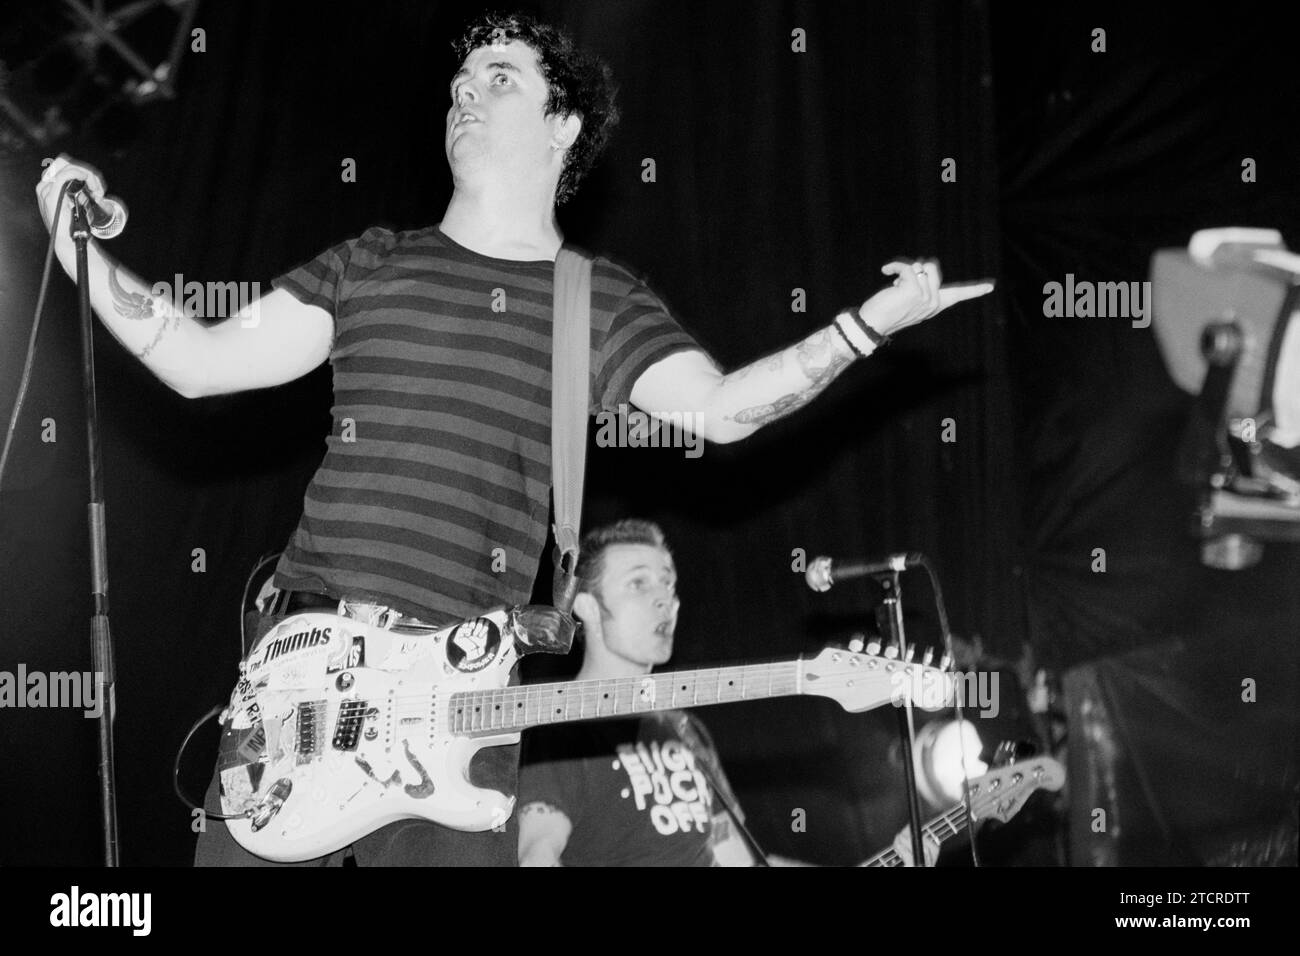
(877, 339)
(848, 341)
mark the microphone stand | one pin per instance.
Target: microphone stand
(893, 617)
(101, 642)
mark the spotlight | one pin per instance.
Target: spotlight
(938, 754)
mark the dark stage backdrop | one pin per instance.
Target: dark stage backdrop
(1104, 158)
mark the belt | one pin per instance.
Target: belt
(297, 602)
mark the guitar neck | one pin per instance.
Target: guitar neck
(941, 828)
(513, 709)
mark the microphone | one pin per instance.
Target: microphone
(107, 216)
(822, 573)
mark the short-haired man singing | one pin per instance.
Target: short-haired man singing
(639, 791)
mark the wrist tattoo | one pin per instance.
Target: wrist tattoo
(162, 329)
(819, 358)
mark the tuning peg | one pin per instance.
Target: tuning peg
(891, 651)
(911, 652)
(873, 648)
(928, 657)
(856, 643)
(945, 662)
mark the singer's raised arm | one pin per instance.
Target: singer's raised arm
(266, 342)
(727, 408)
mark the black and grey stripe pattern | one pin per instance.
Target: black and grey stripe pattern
(448, 455)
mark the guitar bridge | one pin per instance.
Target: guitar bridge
(308, 729)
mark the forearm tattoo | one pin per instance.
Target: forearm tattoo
(133, 305)
(820, 363)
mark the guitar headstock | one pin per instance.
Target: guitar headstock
(864, 679)
(1000, 793)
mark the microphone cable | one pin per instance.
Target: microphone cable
(26, 378)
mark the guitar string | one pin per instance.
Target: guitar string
(955, 819)
(891, 857)
(574, 689)
(504, 707)
(624, 695)
(481, 709)
(629, 692)
(751, 672)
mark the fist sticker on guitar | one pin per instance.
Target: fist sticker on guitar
(473, 645)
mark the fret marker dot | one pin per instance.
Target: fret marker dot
(626, 793)
(614, 766)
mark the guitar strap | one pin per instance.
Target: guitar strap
(570, 400)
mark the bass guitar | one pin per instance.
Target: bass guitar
(998, 795)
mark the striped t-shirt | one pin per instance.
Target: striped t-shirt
(434, 492)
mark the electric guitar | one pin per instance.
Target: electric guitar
(338, 727)
(998, 794)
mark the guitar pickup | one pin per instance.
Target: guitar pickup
(347, 730)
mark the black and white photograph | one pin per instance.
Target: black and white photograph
(652, 434)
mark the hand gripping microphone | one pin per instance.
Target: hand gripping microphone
(107, 216)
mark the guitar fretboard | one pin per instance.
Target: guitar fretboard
(940, 828)
(510, 709)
